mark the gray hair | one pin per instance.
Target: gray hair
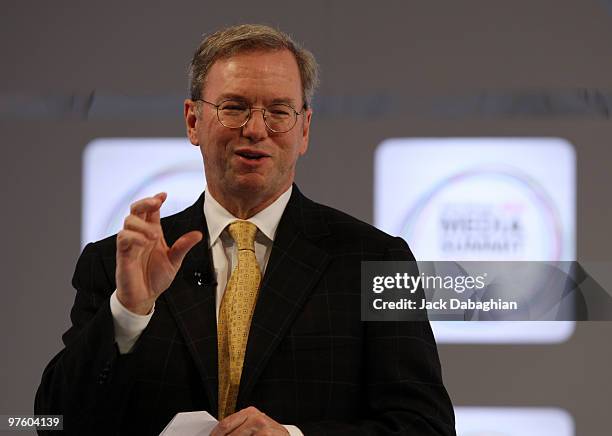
(247, 37)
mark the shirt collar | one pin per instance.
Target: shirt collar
(218, 218)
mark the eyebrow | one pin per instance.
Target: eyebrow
(289, 101)
(230, 96)
(233, 96)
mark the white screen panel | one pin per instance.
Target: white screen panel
(480, 199)
(119, 171)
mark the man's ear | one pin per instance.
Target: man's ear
(305, 130)
(191, 119)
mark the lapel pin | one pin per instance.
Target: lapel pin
(198, 277)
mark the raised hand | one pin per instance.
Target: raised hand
(145, 264)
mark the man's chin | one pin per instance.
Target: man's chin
(250, 184)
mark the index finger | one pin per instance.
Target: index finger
(147, 205)
(154, 216)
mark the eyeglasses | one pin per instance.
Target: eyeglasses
(234, 114)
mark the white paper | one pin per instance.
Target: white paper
(190, 424)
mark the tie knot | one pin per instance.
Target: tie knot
(243, 233)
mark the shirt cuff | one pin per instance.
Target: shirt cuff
(128, 325)
(293, 430)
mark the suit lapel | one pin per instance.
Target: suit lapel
(294, 267)
(191, 299)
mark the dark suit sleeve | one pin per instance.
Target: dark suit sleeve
(405, 393)
(78, 382)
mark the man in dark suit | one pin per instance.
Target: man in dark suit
(156, 326)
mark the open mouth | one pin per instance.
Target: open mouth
(251, 154)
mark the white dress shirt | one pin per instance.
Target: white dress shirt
(129, 326)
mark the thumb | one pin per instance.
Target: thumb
(182, 245)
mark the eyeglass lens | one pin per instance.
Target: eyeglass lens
(278, 117)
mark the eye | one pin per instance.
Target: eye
(233, 107)
(279, 110)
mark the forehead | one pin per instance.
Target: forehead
(255, 75)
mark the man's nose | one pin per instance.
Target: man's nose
(255, 128)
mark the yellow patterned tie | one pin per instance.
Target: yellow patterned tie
(235, 315)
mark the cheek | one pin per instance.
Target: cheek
(298, 149)
(215, 145)
(288, 159)
(215, 159)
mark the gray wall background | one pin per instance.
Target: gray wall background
(74, 71)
